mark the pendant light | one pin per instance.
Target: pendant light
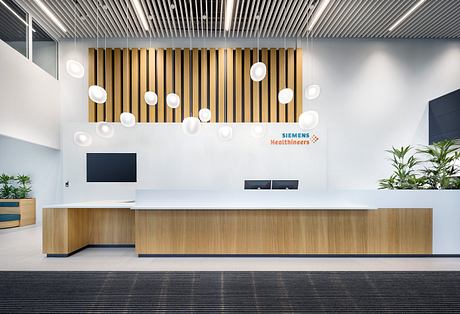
(82, 139)
(150, 97)
(258, 130)
(258, 69)
(97, 93)
(285, 95)
(312, 91)
(225, 133)
(104, 130)
(308, 120)
(204, 114)
(127, 119)
(173, 100)
(73, 67)
(191, 126)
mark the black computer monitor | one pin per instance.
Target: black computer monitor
(257, 184)
(285, 184)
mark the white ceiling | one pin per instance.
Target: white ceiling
(278, 18)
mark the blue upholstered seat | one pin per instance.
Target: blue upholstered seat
(10, 217)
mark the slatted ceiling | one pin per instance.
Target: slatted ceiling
(152, 82)
(341, 19)
(101, 82)
(143, 84)
(178, 82)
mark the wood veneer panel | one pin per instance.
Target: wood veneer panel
(178, 83)
(247, 85)
(212, 84)
(169, 82)
(273, 86)
(109, 84)
(186, 100)
(100, 108)
(78, 228)
(135, 83)
(126, 80)
(117, 86)
(161, 85)
(298, 84)
(221, 84)
(255, 91)
(238, 85)
(55, 231)
(265, 92)
(27, 209)
(91, 81)
(151, 73)
(281, 83)
(204, 78)
(111, 226)
(143, 85)
(230, 81)
(290, 84)
(195, 82)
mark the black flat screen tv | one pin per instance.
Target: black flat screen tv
(257, 184)
(111, 167)
(444, 117)
(285, 184)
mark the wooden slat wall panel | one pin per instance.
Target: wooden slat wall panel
(230, 82)
(169, 82)
(117, 87)
(143, 84)
(178, 83)
(218, 79)
(290, 84)
(212, 84)
(91, 81)
(101, 82)
(151, 73)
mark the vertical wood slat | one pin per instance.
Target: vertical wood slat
(221, 84)
(204, 78)
(290, 84)
(247, 85)
(239, 85)
(109, 85)
(265, 93)
(161, 89)
(255, 91)
(135, 83)
(273, 86)
(282, 83)
(195, 78)
(143, 84)
(178, 83)
(117, 87)
(212, 84)
(230, 82)
(169, 82)
(91, 81)
(126, 80)
(152, 82)
(298, 84)
(100, 108)
(186, 102)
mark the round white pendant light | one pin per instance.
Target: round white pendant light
(285, 95)
(312, 91)
(204, 114)
(173, 100)
(82, 139)
(97, 94)
(75, 69)
(127, 119)
(191, 125)
(151, 98)
(104, 129)
(258, 71)
(308, 120)
(258, 130)
(225, 133)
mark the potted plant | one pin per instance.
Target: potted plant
(16, 206)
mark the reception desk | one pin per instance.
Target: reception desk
(258, 223)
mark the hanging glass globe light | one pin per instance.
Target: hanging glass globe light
(204, 114)
(308, 120)
(225, 133)
(258, 130)
(82, 139)
(97, 94)
(285, 96)
(75, 69)
(258, 71)
(104, 129)
(151, 98)
(312, 91)
(191, 125)
(173, 100)
(127, 119)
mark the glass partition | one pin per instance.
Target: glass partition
(44, 50)
(13, 26)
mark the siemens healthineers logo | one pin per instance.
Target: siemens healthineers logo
(295, 139)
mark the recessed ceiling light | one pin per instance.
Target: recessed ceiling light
(172, 6)
(317, 14)
(204, 17)
(406, 15)
(50, 14)
(140, 14)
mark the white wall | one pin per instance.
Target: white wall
(29, 103)
(41, 163)
(375, 94)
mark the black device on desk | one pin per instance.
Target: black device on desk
(285, 184)
(257, 184)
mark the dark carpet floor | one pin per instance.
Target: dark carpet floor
(250, 292)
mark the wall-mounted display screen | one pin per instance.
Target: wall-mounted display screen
(111, 167)
(444, 117)
(285, 184)
(257, 184)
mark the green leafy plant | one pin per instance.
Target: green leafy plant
(404, 176)
(23, 189)
(7, 190)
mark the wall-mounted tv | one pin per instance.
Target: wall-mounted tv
(111, 167)
(444, 117)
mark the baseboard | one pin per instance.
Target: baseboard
(305, 255)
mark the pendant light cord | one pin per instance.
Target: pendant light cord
(97, 25)
(75, 24)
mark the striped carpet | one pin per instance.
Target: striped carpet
(250, 292)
